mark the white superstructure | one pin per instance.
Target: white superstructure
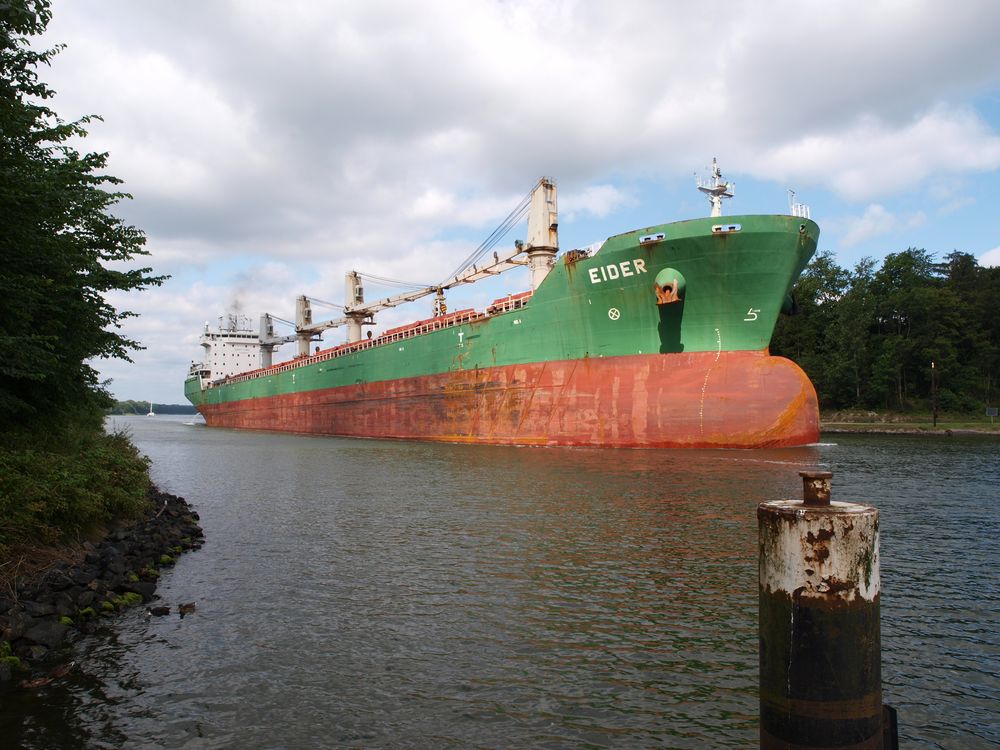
(230, 349)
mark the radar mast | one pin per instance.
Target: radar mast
(716, 188)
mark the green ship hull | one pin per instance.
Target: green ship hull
(599, 355)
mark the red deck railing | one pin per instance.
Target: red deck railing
(503, 305)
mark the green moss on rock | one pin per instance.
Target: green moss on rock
(12, 662)
(128, 599)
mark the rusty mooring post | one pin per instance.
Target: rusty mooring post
(820, 650)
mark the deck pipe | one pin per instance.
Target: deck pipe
(820, 650)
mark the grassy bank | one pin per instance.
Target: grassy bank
(58, 490)
(907, 422)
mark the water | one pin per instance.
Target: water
(356, 593)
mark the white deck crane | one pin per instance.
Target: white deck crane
(540, 250)
(268, 340)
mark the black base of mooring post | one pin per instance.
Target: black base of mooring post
(890, 729)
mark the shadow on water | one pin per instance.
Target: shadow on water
(66, 713)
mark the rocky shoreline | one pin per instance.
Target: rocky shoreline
(40, 615)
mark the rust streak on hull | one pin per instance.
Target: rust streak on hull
(751, 400)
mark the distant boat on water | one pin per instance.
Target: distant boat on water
(151, 413)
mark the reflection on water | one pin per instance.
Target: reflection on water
(357, 593)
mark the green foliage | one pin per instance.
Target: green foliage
(142, 407)
(61, 252)
(54, 492)
(867, 337)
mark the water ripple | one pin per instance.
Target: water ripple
(400, 595)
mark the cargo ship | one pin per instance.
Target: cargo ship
(658, 338)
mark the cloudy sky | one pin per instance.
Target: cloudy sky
(273, 145)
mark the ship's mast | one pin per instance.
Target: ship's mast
(716, 189)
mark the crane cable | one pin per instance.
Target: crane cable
(391, 282)
(498, 234)
(323, 303)
(280, 320)
(513, 218)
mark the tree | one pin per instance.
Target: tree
(986, 304)
(61, 250)
(807, 336)
(905, 291)
(868, 338)
(976, 303)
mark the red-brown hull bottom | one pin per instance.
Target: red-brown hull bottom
(725, 399)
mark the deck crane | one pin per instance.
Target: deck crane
(540, 250)
(268, 339)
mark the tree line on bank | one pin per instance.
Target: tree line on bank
(912, 333)
(143, 407)
(61, 253)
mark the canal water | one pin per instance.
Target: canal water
(372, 594)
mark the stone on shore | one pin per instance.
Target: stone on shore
(118, 572)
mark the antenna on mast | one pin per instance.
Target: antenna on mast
(716, 188)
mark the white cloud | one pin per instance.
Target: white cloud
(228, 120)
(298, 139)
(875, 222)
(873, 159)
(990, 258)
(595, 200)
(175, 136)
